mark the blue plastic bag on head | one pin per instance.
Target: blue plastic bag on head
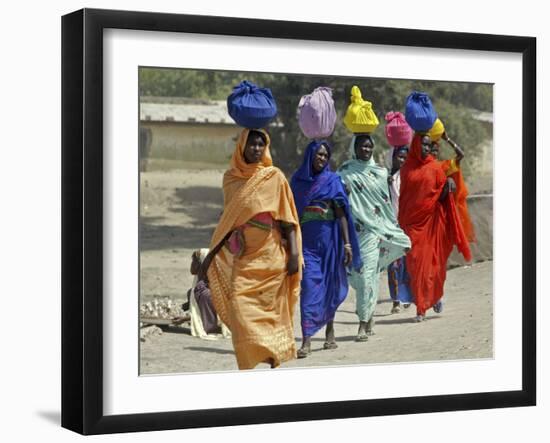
(419, 112)
(251, 106)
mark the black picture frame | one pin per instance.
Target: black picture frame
(82, 219)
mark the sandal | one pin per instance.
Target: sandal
(395, 310)
(303, 353)
(438, 307)
(330, 345)
(419, 318)
(362, 337)
(370, 327)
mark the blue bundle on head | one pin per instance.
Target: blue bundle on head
(419, 112)
(251, 106)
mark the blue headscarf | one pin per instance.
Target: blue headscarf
(326, 185)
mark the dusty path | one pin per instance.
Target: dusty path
(179, 212)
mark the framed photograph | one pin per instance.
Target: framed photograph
(147, 139)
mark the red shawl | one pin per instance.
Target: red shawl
(434, 227)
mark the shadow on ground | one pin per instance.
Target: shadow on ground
(156, 237)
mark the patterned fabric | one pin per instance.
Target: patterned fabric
(381, 240)
(319, 210)
(253, 294)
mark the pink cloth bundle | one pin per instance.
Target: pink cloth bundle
(398, 132)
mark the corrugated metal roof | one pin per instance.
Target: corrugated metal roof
(205, 112)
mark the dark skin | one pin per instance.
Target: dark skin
(397, 163)
(195, 263)
(364, 147)
(458, 150)
(254, 148)
(436, 149)
(399, 160)
(425, 146)
(450, 185)
(318, 164)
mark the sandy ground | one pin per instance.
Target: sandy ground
(179, 211)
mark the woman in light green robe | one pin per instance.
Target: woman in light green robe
(381, 240)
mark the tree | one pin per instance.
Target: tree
(452, 100)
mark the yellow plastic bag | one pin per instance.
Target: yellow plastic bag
(360, 117)
(437, 130)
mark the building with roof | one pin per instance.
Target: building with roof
(186, 129)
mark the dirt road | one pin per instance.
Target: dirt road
(178, 215)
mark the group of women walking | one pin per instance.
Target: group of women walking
(279, 243)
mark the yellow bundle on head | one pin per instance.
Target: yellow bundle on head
(437, 130)
(360, 118)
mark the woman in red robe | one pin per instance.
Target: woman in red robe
(429, 216)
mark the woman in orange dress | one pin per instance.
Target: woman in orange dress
(429, 216)
(452, 169)
(255, 278)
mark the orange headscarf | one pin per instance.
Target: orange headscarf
(433, 226)
(238, 165)
(253, 188)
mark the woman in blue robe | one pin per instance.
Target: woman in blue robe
(329, 243)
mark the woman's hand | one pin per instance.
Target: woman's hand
(458, 150)
(348, 255)
(292, 264)
(451, 184)
(293, 256)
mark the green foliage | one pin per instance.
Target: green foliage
(452, 100)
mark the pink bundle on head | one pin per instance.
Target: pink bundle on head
(398, 132)
(316, 113)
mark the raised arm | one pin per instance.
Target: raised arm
(458, 150)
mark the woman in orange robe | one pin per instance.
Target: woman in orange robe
(452, 169)
(254, 278)
(428, 215)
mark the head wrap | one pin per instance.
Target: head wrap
(238, 165)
